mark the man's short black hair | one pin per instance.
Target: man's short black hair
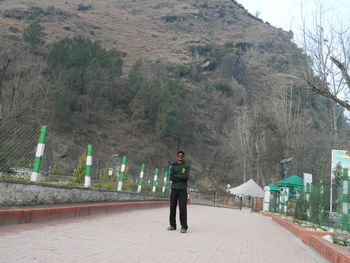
(180, 152)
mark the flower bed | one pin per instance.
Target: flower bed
(334, 253)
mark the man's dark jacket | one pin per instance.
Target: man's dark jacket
(179, 174)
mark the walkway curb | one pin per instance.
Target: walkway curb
(314, 239)
(23, 215)
(328, 250)
(300, 232)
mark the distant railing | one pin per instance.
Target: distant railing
(220, 200)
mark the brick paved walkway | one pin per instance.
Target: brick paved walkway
(215, 235)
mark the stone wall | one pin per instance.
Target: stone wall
(18, 193)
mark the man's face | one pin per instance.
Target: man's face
(180, 158)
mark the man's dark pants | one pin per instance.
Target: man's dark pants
(180, 195)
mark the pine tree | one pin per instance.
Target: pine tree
(33, 34)
(79, 172)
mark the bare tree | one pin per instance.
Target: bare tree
(239, 140)
(291, 124)
(326, 43)
(23, 87)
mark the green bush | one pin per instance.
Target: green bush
(33, 34)
(157, 102)
(79, 173)
(301, 207)
(226, 90)
(110, 186)
(22, 163)
(57, 169)
(24, 178)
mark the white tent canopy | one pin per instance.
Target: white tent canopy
(249, 188)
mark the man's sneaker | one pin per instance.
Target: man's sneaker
(171, 228)
(183, 230)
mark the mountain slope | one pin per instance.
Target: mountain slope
(240, 73)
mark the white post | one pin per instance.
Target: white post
(266, 207)
(286, 201)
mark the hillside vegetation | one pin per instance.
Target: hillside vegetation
(146, 78)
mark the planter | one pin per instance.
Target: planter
(333, 253)
(328, 250)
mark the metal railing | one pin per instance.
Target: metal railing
(225, 200)
(64, 162)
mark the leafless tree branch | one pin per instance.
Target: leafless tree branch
(327, 93)
(343, 70)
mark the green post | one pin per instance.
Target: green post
(321, 202)
(121, 176)
(155, 181)
(139, 187)
(39, 154)
(345, 201)
(308, 201)
(165, 182)
(88, 166)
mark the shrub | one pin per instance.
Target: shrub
(79, 173)
(57, 169)
(33, 34)
(22, 163)
(226, 90)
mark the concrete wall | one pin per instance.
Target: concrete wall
(17, 193)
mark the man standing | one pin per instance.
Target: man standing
(179, 174)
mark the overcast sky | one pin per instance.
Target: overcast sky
(286, 13)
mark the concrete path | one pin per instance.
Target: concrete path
(215, 235)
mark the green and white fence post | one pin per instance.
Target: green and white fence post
(87, 181)
(155, 181)
(39, 154)
(345, 201)
(165, 181)
(139, 187)
(321, 202)
(307, 196)
(121, 175)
